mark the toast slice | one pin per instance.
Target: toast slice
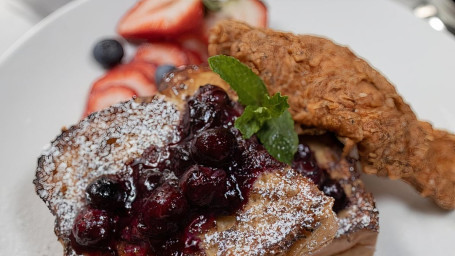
(99, 145)
(358, 222)
(105, 141)
(269, 217)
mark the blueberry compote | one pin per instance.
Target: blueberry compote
(162, 201)
(305, 163)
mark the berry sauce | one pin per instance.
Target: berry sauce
(305, 163)
(162, 201)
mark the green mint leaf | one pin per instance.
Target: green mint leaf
(265, 116)
(248, 86)
(277, 104)
(279, 137)
(252, 119)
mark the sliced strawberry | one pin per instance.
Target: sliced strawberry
(253, 12)
(102, 99)
(129, 76)
(194, 58)
(162, 54)
(146, 68)
(196, 45)
(161, 18)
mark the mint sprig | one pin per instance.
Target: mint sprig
(279, 137)
(252, 120)
(249, 87)
(267, 117)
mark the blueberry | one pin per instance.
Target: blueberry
(162, 209)
(161, 71)
(108, 52)
(212, 94)
(106, 193)
(203, 115)
(213, 146)
(91, 227)
(210, 107)
(180, 158)
(165, 202)
(333, 189)
(202, 184)
(305, 163)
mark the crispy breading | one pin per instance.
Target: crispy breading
(330, 88)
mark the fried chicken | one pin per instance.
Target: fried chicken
(330, 88)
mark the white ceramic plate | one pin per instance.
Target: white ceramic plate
(45, 78)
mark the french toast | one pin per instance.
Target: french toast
(358, 220)
(284, 212)
(332, 89)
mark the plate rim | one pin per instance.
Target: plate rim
(14, 49)
(35, 29)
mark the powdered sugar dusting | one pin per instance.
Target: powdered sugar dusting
(283, 207)
(100, 144)
(362, 214)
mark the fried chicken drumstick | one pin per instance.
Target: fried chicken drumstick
(330, 88)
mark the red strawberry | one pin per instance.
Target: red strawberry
(197, 45)
(146, 68)
(161, 54)
(194, 58)
(161, 18)
(129, 76)
(101, 99)
(253, 12)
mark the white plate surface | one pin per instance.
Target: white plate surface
(44, 81)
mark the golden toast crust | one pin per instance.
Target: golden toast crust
(103, 142)
(301, 222)
(98, 145)
(358, 223)
(283, 206)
